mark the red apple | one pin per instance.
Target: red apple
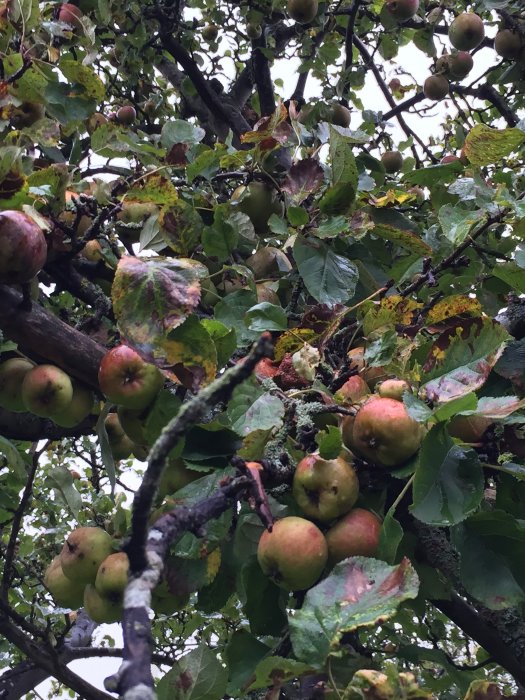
(127, 380)
(357, 534)
(70, 14)
(293, 554)
(353, 390)
(23, 248)
(325, 488)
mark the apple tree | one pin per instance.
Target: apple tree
(262, 325)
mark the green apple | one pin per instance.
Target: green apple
(79, 408)
(120, 444)
(325, 489)
(293, 554)
(175, 476)
(65, 592)
(12, 373)
(393, 389)
(112, 575)
(102, 609)
(83, 552)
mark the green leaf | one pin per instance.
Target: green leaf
(85, 76)
(338, 199)
(494, 543)
(512, 274)
(342, 159)
(417, 409)
(223, 337)
(264, 604)
(105, 449)
(165, 407)
(151, 297)
(468, 402)
(484, 145)
(297, 216)
(448, 483)
(330, 442)
(266, 317)
(248, 411)
(231, 311)
(457, 222)
(206, 164)
(406, 239)
(434, 174)
(198, 675)
(61, 480)
(14, 459)
(360, 592)
(390, 538)
(243, 652)
(328, 277)
(180, 131)
(191, 346)
(381, 351)
(276, 669)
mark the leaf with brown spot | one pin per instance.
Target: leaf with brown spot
(360, 592)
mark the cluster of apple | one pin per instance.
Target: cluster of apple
(45, 390)
(89, 573)
(297, 551)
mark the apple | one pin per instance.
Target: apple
(302, 11)
(95, 120)
(324, 489)
(449, 159)
(460, 64)
(339, 115)
(392, 161)
(401, 10)
(83, 552)
(133, 423)
(126, 115)
(112, 575)
(508, 44)
(269, 262)
(210, 32)
(383, 433)
(175, 476)
(436, 87)
(258, 202)
(393, 389)
(293, 554)
(70, 14)
(467, 31)
(127, 380)
(23, 248)
(254, 31)
(356, 534)
(353, 390)
(102, 609)
(65, 593)
(120, 444)
(12, 373)
(79, 407)
(46, 391)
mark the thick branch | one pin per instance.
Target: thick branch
(43, 335)
(263, 79)
(31, 428)
(225, 111)
(490, 94)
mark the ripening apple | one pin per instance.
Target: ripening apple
(436, 87)
(353, 390)
(356, 534)
(112, 575)
(95, 121)
(65, 592)
(293, 554)
(23, 248)
(102, 609)
(392, 161)
(133, 423)
(79, 407)
(46, 391)
(508, 44)
(70, 14)
(83, 552)
(401, 10)
(324, 489)
(126, 115)
(460, 64)
(339, 115)
(126, 379)
(12, 373)
(383, 433)
(210, 32)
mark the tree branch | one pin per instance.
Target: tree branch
(490, 94)
(263, 79)
(40, 334)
